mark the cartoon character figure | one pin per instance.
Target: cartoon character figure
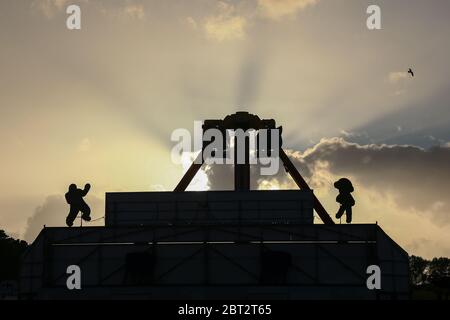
(345, 198)
(74, 198)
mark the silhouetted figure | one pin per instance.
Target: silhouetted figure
(411, 72)
(74, 197)
(345, 198)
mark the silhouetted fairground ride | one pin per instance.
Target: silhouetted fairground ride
(241, 244)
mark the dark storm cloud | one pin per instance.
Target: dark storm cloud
(417, 178)
(53, 213)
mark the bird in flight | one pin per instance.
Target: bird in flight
(411, 72)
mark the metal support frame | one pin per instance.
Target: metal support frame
(290, 168)
(244, 120)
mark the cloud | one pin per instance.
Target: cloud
(126, 11)
(230, 21)
(226, 24)
(397, 76)
(276, 9)
(135, 11)
(53, 213)
(51, 7)
(418, 179)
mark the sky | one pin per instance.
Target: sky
(99, 104)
